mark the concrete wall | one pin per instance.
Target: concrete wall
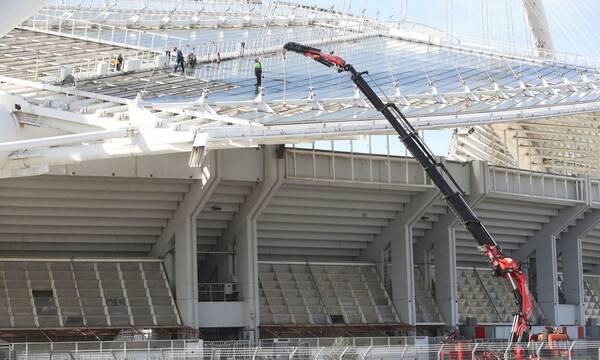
(222, 314)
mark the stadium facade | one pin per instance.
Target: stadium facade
(134, 198)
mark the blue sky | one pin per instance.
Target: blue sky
(572, 25)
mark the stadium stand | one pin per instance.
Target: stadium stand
(311, 224)
(91, 294)
(592, 294)
(295, 293)
(486, 298)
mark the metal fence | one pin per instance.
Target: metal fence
(218, 292)
(199, 350)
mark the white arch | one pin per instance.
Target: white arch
(538, 27)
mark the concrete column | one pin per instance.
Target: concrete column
(573, 278)
(543, 243)
(398, 234)
(547, 281)
(241, 235)
(444, 261)
(402, 276)
(246, 260)
(441, 239)
(186, 272)
(569, 247)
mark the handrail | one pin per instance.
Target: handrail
(312, 276)
(487, 293)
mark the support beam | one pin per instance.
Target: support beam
(241, 236)
(195, 199)
(399, 234)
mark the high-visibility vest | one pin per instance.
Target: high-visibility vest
(258, 66)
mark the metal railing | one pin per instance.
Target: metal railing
(536, 184)
(158, 5)
(355, 165)
(218, 292)
(102, 33)
(199, 350)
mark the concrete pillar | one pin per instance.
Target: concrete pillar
(573, 278)
(441, 239)
(241, 236)
(569, 247)
(547, 281)
(247, 272)
(544, 244)
(398, 235)
(186, 272)
(402, 276)
(444, 261)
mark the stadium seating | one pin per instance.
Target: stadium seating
(425, 305)
(592, 297)
(487, 298)
(323, 294)
(54, 294)
(473, 302)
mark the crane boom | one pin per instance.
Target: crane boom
(503, 266)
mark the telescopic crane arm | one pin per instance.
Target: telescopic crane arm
(503, 266)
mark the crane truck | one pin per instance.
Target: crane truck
(451, 191)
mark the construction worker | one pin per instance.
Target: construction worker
(119, 62)
(258, 72)
(179, 59)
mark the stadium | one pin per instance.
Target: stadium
(257, 204)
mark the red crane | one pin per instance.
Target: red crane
(503, 266)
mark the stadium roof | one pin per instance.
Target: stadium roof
(516, 108)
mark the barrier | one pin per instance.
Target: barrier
(180, 349)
